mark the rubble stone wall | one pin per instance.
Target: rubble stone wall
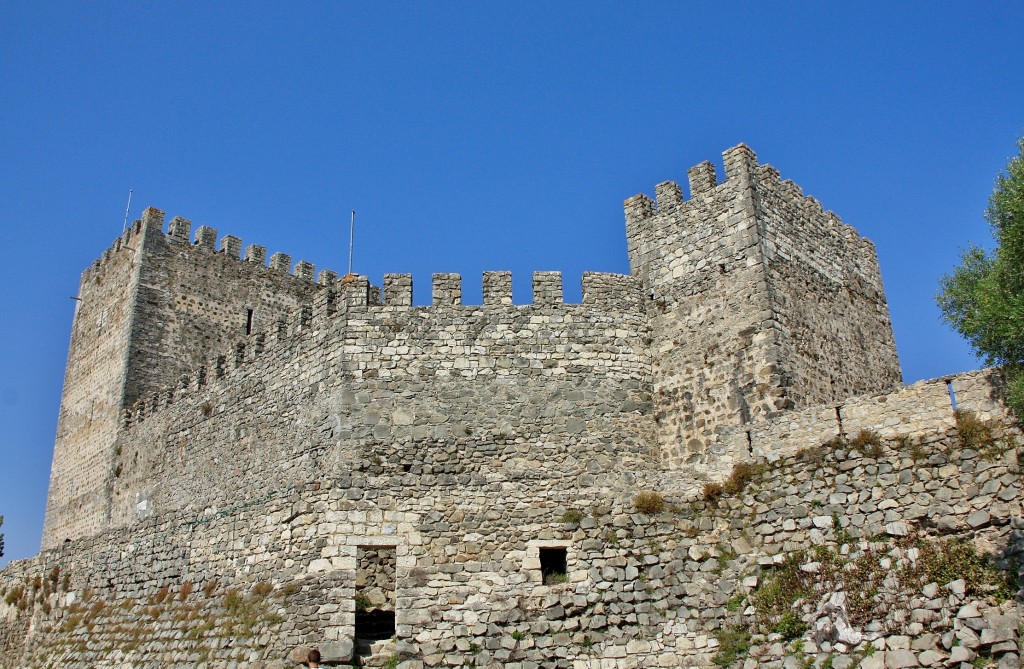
(271, 575)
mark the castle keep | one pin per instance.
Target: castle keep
(255, 459)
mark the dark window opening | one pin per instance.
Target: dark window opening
(375, 625)
(248, 321)
(553, 565)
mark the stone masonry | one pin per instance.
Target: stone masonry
(252, 461)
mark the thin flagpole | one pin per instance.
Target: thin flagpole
(351, 239)
(124, 226)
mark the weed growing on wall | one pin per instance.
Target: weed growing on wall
(867, 442)
(871, 576)
(979, 435)
(741, 475)
(713, 492)
(946, 561)
(733, 643)
(649, 502)
(572, 516)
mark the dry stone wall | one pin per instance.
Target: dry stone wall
(926, 407)
(253, 582)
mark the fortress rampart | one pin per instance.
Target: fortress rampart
(253, 459)
(423, 391)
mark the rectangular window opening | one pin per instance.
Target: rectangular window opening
(248, 321)
(554, 567)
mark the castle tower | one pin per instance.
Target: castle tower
(153, 307)
(759, 300)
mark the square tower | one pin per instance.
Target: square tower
(760, 301)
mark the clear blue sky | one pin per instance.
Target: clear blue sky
(474, 136)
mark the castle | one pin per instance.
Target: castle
(745, 300)
(467, 472)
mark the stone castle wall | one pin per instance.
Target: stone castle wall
(829, 312)
(759, 302)
(456, 392)
(195, 300)
(726, 315)
(711, 348)
(152, 308)
(254, 581)
(922, 408)
(79, 500)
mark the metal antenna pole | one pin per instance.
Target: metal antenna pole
(125, 225)
(351, 239)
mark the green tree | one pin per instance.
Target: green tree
(983, 299)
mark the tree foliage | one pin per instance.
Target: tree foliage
(983, 299)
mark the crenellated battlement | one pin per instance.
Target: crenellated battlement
(607, 298)
(754, 289)
(205, 241)
(741, 168)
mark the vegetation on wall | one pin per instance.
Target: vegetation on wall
(983, 299)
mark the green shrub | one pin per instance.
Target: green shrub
(733, 643)
(572, 516)
(233, 600)
(790, 626)
(945, 561)
(784, 584)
